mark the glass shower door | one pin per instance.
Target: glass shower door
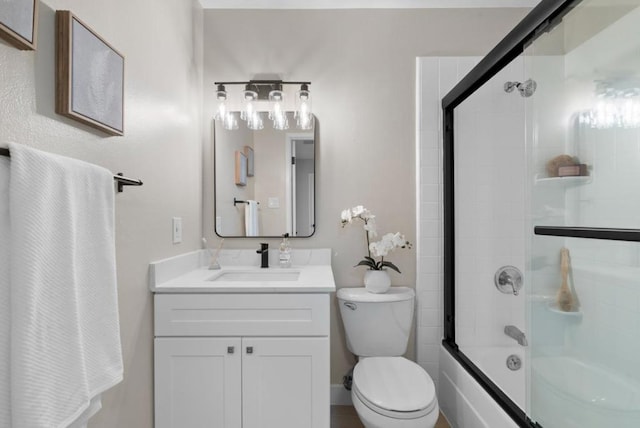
(489, 229)
(583, 269)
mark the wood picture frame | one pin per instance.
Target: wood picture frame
(19, 23)
(248, 152)
(89, 76)
(241, 169)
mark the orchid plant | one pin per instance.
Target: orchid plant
(388, 243)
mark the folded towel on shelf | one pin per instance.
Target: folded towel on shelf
(65, 333)
(251, 218)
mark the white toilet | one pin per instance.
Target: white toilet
(388, 391)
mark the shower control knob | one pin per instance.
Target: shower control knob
(508, 280)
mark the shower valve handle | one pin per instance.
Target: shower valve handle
(508, 280)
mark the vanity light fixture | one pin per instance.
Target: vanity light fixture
(259, 96)
(617, 105)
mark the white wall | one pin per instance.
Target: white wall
(231, 218)
(362, 67)
(162, 146)
(270, 179)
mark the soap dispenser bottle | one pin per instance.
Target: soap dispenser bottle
(285, 252)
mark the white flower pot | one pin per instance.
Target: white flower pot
(377, 281)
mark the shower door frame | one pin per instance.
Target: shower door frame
(541, 19)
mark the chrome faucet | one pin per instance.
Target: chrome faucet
(264, 252)
(515, 333)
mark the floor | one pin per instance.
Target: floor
(346, 417)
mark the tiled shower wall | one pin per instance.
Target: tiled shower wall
(435, 76)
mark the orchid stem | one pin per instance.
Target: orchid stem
(366, 232)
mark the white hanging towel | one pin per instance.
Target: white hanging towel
(65, 333)
(5, 298)
(251, 218)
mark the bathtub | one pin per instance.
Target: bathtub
(464, 402)
(569, 393)
(565, 392)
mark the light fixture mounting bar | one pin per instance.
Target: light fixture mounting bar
(262, 82)
(263, 87)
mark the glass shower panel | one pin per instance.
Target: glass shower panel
(583, 170)
(489, 157)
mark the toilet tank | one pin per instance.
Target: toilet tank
(377, 325)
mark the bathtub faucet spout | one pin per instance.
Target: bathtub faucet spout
(515, 333)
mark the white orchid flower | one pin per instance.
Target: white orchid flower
(346, 216)
(370, 227)
(357, 210)
(378, 249)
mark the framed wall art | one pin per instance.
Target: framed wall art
(18, 23)
(89, 76)
(248, 152)
(241, 169)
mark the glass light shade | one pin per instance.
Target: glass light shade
(617, 105)
(277, 113)
(613, 112)
(230, 121)
(303, 114)
(221, 108)
(254, 122)
(249, 98)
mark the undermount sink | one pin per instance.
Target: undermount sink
(257, 275)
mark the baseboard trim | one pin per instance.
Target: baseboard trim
(340, 396)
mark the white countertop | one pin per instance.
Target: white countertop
(188, 273)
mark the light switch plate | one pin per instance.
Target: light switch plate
(273, 202)
(177, 230)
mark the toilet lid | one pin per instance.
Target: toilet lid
(394, 383)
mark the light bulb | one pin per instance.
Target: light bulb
(277, 114)
(249, 98)
(303, 114)
(221, 109)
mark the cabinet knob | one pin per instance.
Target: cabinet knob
(231, 349)
(249, 349)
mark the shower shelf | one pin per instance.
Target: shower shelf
(553, 307)
(570, 181)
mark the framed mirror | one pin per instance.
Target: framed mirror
(264, 180)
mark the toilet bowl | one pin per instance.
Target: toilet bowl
(388, 391)
(393, 392)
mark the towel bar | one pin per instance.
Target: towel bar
(237, 201)
(121, 181)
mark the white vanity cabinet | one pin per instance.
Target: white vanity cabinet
(242, 360)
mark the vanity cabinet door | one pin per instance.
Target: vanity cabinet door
(198, 383)
(285, 382)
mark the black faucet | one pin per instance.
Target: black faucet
(264, 251)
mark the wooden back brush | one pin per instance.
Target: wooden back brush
(565, 297)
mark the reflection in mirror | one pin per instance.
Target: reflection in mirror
(264, 181)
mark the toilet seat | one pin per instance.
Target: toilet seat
(394, 387)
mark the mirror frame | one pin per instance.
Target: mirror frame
(315, 186)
